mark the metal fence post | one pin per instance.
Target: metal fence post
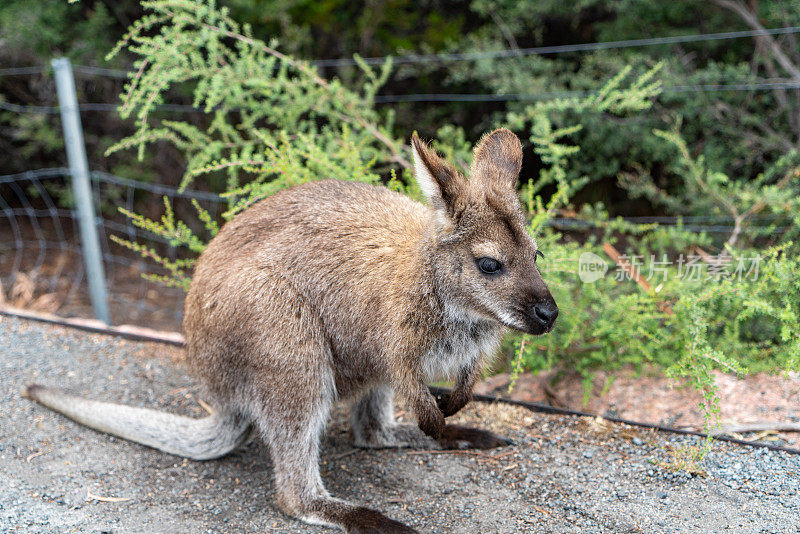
(81, 187)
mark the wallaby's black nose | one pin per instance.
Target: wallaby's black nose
(546, 313)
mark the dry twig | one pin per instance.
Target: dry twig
(767, 426)
(634, 274)
(205, 406)
(471, 453)
(92, 497)
(35, 454)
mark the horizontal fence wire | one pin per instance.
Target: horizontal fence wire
(694, 224)
(438, 97)
(554, 95)
(93, 106)
(558, 49)
(448, 57)
(763, 85)
(41, 264)
(81, 69)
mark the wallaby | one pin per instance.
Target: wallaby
(338, 290)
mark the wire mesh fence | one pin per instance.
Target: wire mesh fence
(41, 263)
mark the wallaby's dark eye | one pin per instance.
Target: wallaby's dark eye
(539, 254)
(489, 265)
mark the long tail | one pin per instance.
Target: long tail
(199, 439)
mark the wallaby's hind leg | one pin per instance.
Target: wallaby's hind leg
(293, 438)
(295, 455)
(373, 424)
(288, 393)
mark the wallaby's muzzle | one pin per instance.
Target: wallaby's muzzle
(541, 316)
(540, 311)
(538, 307)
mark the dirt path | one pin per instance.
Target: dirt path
(563, 475)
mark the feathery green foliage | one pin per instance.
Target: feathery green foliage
(257, 100)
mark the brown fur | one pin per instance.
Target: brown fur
(337, 290)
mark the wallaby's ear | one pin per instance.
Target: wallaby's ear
(439, 181)
(498, 159)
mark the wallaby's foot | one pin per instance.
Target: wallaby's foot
(394, 436)
(453, 437)
(351, 518)
(462, 437)
(367, 521)
(374, 427)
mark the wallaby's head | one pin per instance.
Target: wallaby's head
(485, 260)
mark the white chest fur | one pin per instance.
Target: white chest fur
(461, 348)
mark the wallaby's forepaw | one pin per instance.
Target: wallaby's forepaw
(461, 437)
(367, 521)
(430, 418)
(451, 403)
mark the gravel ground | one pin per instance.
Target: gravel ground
(564, 474)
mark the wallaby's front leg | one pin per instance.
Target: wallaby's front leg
(451, 403)
(452, 436)
(461, 437)
(429, 417)
(406, 378)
